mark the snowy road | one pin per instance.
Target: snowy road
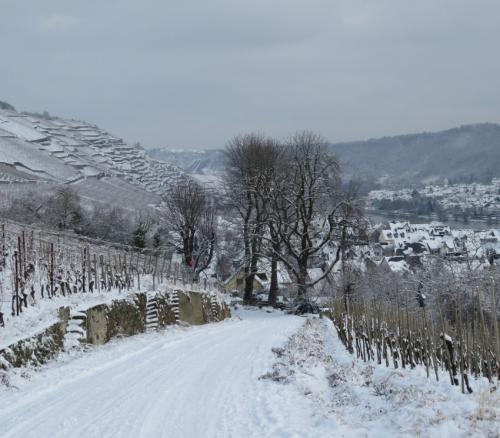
(195, 382)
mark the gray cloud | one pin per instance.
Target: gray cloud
(194, 73)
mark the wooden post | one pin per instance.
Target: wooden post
(16, 283)
(120, 264)
(51, 272)
(484, 337)
(162, 269)
(138, 275)
(3, 245)
(155, 273)
(97, 283)
(494, 320)
(24, 251)
(89, 270)
(84, 270)
(125, 270)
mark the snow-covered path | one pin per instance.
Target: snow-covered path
(195, 382)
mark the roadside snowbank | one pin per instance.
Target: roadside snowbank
(362, 399)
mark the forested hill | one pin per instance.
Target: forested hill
(470, 152)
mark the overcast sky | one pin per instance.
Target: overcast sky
(193, 73)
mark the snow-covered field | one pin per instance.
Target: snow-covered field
(256, 375)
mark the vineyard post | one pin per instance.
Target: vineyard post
(125, 269)
(458, 319)
(3, 245)
(162, 269)
(155, 272)
(484, 337)
(138, 275)
(51, 272)
(425, 345)
(89, 270)
(102, 278)
(84, 269)
(447, 358)
(432, 347)
(16, 282)
(169, 270)
(109, 270)
(494, 320)
(401, 346)
(20, 257)
(96, 275)
(23, 234)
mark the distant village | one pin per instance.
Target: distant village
(458, 201)
(402, 245)
(399, 247)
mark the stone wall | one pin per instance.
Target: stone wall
(197, 308)
(124, 317)
(120, 318)
(37, 349)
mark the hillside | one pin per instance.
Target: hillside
(471, 151)
(38, 151)
(458, 154)
(206, 162)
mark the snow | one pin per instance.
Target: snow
(348, 397)
(13, 126)
(28, 158)
(195, 382)
(259, 374)
(397, 265)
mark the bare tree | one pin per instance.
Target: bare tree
(309, 212)
(28, 208)
(64, 209)
(109, 223)
(192, 224)
(250, 164)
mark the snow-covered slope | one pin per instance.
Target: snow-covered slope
(202, 162)
(37, 149)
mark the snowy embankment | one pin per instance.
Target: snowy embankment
(356, 399)
(256, 375)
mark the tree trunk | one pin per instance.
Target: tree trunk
(273, 289)
(247, 297)
(302, 282)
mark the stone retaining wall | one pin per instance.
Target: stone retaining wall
(125, 317)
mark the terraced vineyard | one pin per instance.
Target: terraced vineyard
(36, 152)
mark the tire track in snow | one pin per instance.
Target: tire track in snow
(202, 382)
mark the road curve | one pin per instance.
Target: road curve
(194, 382)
